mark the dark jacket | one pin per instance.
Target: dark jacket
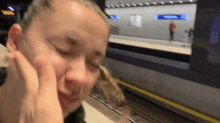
(75, 117)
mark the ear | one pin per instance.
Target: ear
(14, 37)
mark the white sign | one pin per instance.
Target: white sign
(136, 20)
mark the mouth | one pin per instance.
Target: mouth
(69, 97)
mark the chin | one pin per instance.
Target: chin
(65, 114)
(68, 110)
(69, 107)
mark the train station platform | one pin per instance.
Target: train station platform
(162, 45)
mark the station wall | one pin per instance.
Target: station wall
(152, 28)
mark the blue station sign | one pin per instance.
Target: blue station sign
(172, 17)
(115, 17)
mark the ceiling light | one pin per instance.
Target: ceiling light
(147, 3)
(112, 6)
(108, 6)
(134, 4)
(128, 5)
(181, 1)
(171, 2)
(117, 5)
(122, 5)
(154, 3)
(191, 0)
(162, 2)
(140, 4)
(11, 8)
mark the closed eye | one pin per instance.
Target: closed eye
(93, 65)
(63, 52)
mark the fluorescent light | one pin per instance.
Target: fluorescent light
(11, 8)
(134, 4)
(181, 1)
(140, 4)
(108, 6)
(191, 0)
(112, 6)
(162, 2)
(171, 2)
(128, 5)
(117, 5)
(154, 3)
(122, 5)
(147, 3)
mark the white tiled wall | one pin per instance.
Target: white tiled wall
(151, 28)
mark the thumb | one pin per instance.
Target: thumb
(47, 88)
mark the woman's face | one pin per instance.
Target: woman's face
(75, 38)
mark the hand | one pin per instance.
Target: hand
(30, 92)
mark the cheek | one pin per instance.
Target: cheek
(91, 83)
(59, 64)
(28, 51)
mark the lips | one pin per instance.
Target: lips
(68, 96)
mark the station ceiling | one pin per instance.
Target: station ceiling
(118, 2)
(24, 3)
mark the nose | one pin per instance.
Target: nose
(76, 76)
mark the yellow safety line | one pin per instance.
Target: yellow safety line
(183, 108)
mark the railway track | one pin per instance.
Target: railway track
(137, 115)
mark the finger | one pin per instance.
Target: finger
(11, 70)
(26, 72)
(47, 78)
(47, 98)
(23, 64)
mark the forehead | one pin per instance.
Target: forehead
(73, 19)
(78, 14)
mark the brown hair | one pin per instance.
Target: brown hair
(109, 87)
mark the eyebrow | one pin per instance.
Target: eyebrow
(74, 42)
